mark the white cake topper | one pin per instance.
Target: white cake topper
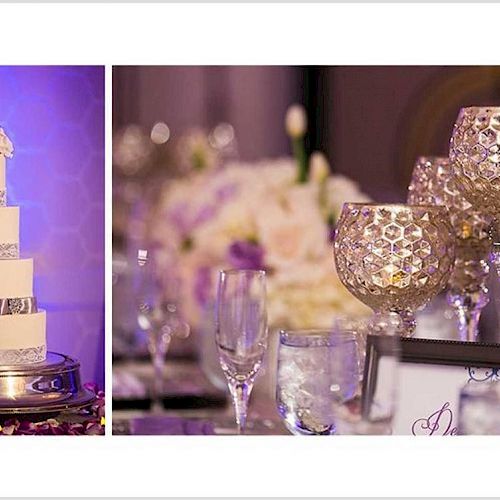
(6, 147)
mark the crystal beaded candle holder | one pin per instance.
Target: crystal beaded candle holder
(433, 183)
(475, 154)
(394, 258)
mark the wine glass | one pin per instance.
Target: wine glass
(475, 155)
(316, 370)
(394, 258)
(160, 318)
(433, 183)
(241, 333)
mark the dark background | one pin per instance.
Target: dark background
(371, 121)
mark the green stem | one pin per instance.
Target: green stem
(299, 152)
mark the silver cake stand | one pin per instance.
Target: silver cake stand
(51, 386)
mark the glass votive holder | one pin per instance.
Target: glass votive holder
(358, 327)
(479, 409)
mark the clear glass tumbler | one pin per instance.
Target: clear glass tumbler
(373, 412)
(317, 371)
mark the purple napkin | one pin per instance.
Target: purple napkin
(168, 426)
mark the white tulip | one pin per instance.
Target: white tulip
(296, 121)
(319, 168)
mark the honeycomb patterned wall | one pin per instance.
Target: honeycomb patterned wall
(55, 119)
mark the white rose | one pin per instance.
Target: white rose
(233, 221)
(310, 297)
(290, 227)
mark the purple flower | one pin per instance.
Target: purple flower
(185, 222)
(181, 217)
(245, 255)
(204, 215)
(92, 425)
(202, 285)
(177, 217)
(224, 193)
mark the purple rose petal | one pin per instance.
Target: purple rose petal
(52, 427)
(224, 193)
(204, 215)
(245, 255)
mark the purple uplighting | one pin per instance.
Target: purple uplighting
(55, 119)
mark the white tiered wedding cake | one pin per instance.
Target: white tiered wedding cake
(22, 325)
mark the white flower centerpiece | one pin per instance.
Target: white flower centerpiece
(276, 215)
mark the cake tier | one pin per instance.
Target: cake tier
(9, 226)
(16, 278)
(22, 338)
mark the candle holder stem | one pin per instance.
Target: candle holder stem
(468, 307)
(408, 323)
(495, 257)
(468, 294)
(401, 322)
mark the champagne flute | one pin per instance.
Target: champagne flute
(160, 319)
(241, 333)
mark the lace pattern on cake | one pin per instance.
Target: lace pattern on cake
(20, 305)
(26, 356)
(9, 251)
(3, 198)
